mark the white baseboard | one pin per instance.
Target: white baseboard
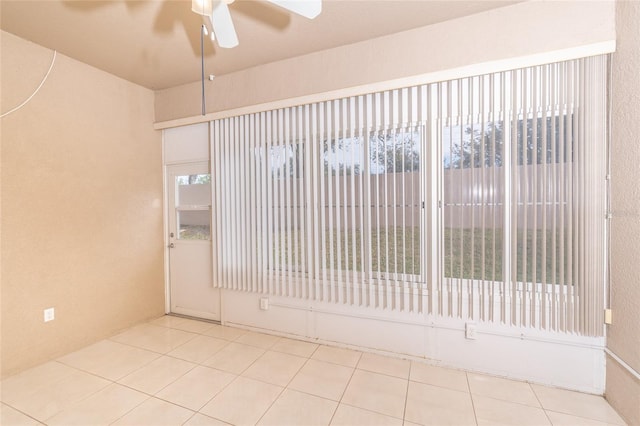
(555, 359)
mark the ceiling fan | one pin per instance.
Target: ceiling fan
(217, 16)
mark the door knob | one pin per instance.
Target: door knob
(171, 245)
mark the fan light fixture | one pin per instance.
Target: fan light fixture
(202, 7)
(205, 7)
(217, 16)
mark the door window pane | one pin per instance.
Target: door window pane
(194, 224)
(193, 206)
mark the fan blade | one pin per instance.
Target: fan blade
(307, 8)
(223, 25)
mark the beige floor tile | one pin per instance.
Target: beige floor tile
(577, 404)
(166, 321)
(155, 412)
(108, 359)
(560, 419)
(295, 408)
(322, 379)
(202, 420)
(434, 405)
(77, 388)
(157, 374)
(193, 326)
(42, 374)
(196, 388)
(199, 349)
(347, 415)
(46, 390)
(385, 365)
(154, 338)
(491, 411)
(11, 417)
(295, 347)
(243, 402)
(101, 408)
(24, 384)
(439, 376)
(503, 389)
(259, 340)
(275, 367)
(376, 392)
(234, 358)
(226, 333)
(341, 356)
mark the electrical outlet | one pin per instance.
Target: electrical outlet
(470, 331)
(49, 314)
(264, 303)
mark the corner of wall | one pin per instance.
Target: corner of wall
(623, 336)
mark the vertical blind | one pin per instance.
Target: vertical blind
(479, 198)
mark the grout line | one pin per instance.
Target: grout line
(81, 399)
(258, 380)
(473, 405)
(176, 404)
(206, 402)
(253, 362)
(23, 413)
(315, 350)
(373, 412)
(339, 348)
(444, 387)
(507, 401)
(406, 395)
(271, 405)
(344, 391)
(168, 384)
(386, 375)
(133, 408)
(607, 423)
(540, 402)
(348, 383)
(192, 416)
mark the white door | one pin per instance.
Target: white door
(190, 248)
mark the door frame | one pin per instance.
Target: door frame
(165, 224)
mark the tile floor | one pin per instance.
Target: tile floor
(177, 371)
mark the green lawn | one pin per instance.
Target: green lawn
(463, 250)
(468, 262)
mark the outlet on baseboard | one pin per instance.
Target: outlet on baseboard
(264, 303)
(470, 331)
(49, 314)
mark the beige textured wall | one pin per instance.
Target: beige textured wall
(533, 28)
(81, 206)
(622, 390)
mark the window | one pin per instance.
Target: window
(193, 207)
(480, 198)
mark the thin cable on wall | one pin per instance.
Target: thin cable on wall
(53, 60)
(203, 32)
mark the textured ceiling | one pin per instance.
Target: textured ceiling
(156, 43)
